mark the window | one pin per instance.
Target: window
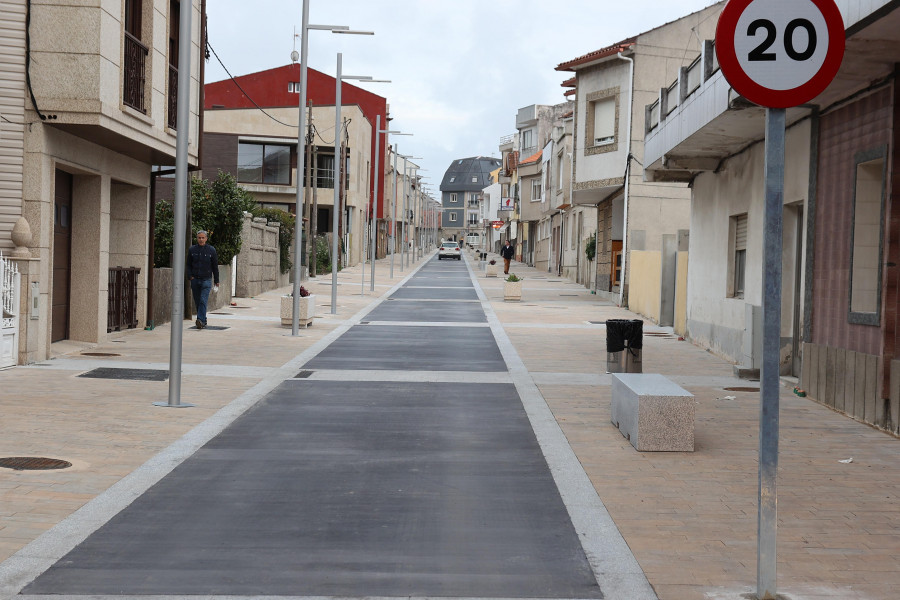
(473, 219)
(325, 171)
(561, 163)
(528, 139)
(604, 121)
(453, 217)
(865, 259)
(601, 121)
(264, 163)
(474, 178)
(454, 198)
(452, 179)
(535, 190)
(738, 267)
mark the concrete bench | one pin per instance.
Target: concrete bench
(652, 412)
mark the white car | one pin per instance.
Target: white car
(449, 250)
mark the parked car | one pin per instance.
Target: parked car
(449, 250)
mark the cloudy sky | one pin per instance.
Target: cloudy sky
(460, 70)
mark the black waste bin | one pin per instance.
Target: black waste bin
(624, 344)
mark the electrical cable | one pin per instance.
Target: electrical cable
(208, 45)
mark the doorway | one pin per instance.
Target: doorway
(62, 257)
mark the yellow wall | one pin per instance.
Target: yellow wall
(681, 280)
(645, 274)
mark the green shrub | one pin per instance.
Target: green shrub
(590, 247)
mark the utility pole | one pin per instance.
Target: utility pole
(314, 220)
(306, 205)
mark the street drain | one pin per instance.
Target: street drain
(33, 463)
(213, 327)
(597, 322)
(218, 313)
(99, 354)
(136, 374)
(303, 374)
(741, 389)
(241, 307)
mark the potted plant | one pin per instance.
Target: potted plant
(491, 269)
(307, 308)
(512, 289)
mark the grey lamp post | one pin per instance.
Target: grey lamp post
(378, 180)
(338, 175)
(404, 253)
(299, 246)
(181, 185)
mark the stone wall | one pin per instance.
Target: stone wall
(258, 262)
(162, 294)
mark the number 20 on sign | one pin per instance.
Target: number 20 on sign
(780, 53)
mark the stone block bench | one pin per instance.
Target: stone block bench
(652, 412)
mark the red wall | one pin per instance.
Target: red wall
(862, 125)
(269, 89)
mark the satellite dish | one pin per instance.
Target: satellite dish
(295, 56)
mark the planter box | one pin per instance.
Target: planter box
(307, 310)
(491, 270)
(512, 290)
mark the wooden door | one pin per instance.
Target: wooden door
(615, 275)
(62, 261)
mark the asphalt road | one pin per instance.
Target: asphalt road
(356, 488)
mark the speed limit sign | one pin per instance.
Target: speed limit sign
(780, 53)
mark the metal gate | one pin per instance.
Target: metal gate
(9, 303)
(122, 305)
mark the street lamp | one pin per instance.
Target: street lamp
(378, 179)
(299, 246)
(338, 173)
(394, 213)
(404, 253)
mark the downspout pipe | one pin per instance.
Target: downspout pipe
(627, 180)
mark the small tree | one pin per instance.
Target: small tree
(590, 247)
(217, 207)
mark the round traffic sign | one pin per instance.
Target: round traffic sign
(780, 53)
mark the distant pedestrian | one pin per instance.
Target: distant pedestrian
(203, 273)
(506, 253)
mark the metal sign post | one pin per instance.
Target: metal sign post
(777, 54)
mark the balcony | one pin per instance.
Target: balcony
(135, 77)
(711, 122)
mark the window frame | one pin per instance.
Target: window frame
(264, 145)
(591, 100)
(737, 257)
(859, 317)
(536, 186)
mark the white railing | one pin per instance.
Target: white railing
(9, 304)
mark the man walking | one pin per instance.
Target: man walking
(203, 272)
(506, 253)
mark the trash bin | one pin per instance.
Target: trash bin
(624, 345)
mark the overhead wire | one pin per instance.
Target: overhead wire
(294, 125)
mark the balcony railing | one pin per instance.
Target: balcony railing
(135, 79)
(690, 79)
(172, 104)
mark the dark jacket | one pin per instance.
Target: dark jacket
(507, 252)
(203, 262)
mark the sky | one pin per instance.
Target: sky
(459, 70)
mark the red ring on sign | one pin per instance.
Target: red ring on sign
(758, 94)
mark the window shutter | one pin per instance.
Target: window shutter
(604, 119)
(740, 233)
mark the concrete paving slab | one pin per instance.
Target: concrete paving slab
(433, 312)
(435, 293)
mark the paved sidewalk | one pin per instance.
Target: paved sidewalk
(689, 518)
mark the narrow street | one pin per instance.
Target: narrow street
(399, 461)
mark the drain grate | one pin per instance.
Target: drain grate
(303, 375)
(136, 374)
(33, 463)
(220, 313)
(570, 295)
(99, 354)
(597, 322)
(241, 307)
(213, 327)
(741, 389)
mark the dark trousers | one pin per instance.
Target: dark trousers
(200, 290)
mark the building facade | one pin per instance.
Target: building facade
(460, 195)
(85, 119)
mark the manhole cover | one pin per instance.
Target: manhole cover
(303, 374)
(741, 389)
(99, 354)
(136, 374)
(33, 463)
